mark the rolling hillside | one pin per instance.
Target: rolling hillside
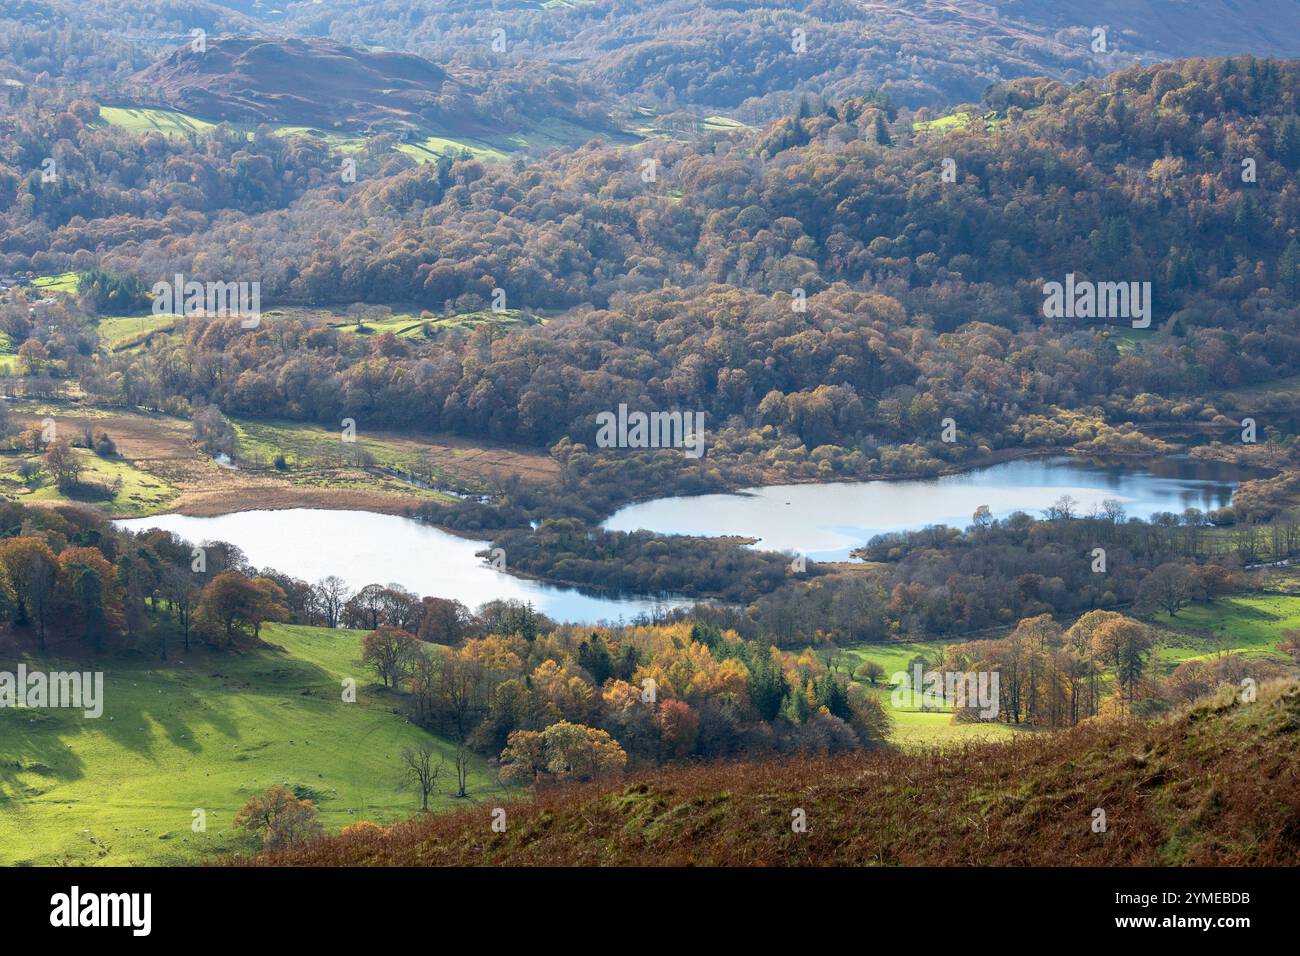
(738, 54)
(313, 82)
(324, 85)
(1217, 785)
(722, 55)
(1159, 29)
(205, 731)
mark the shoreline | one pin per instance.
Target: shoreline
(291, 497)
(1000, 457)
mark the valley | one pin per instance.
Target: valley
(592, 434)
(208, 732)
(157, 453)
(234, 726)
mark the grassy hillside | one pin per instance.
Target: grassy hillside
(204, 731)
(1250, 625)
(161, 470)
(139, 492)
(141, 120)
(1218, 784)
(427, 147)
(409, 325)
(63, 282)
(207, 731)
(343, 95)
(913, 727)
(133, 331)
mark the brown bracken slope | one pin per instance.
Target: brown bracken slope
(1219, 783)
(312, 82)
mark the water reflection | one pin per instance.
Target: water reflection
(826, 521)
(362, 548)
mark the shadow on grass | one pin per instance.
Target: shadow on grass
(184, 697)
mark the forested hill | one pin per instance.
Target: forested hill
(740, 57)
(97, 44)
(1218, 785)
(1142, 172)
(923, 294)
(743, 56)
(1170, 28)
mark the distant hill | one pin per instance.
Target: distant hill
(1158, 29)
(744, 57)
(96, 43)
(328, 85)
(309, 82)
(1218, 784)
(736, 57)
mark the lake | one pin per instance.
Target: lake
(823, 521)
(363, 547)
(826, 521)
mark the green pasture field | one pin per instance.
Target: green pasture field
(206, 732)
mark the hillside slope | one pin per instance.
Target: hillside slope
(327, 85)
(715, 55)
(204, 731)
(1157, 29)
(738, 54)
(1217, 784)
(254, 79)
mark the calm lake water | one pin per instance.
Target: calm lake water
(826, 521)
(822, 521)
(364, 548)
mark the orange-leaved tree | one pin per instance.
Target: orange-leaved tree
(563, 751)
(232, 606)
(28, 568)
(392, 652)
(280, 817)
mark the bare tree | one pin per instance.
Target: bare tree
(1171, 586)
(62, 463)
(39, 582)
(460, 694)
(332, 593)
(1063, 508)
(419, 771)
(182, 590)
(462, 769)
(213, 432)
